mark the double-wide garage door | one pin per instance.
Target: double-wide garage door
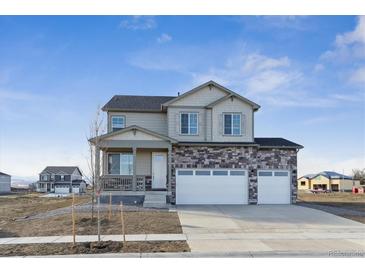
(273, 187)
(211, 186)
(230, 186)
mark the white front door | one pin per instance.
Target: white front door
(159, 169)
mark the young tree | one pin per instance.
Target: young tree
(94, 163)
(359, 174)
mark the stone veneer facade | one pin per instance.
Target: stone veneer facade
(251, 158)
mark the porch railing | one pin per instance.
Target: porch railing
(122, 182)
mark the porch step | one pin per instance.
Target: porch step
(155, 199)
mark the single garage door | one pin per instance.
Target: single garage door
(273, 187)
(211, 186)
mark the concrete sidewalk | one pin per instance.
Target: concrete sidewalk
(92, 238)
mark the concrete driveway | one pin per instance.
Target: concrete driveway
(270, 229)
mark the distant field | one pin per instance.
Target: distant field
(344, 204)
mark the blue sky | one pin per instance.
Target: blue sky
(307, 73)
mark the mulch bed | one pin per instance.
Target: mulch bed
(93, 248)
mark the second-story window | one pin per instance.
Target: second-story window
(232, 124)
(117, 122)
(189, 123)
(44, 178)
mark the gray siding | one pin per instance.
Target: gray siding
(203, 97)
(156, 122)
(236, 106)
(173, 115)
(144, 162)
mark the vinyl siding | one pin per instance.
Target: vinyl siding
(306, 183)
(137, 135)
(202, 97)
(156, 122)
(144, 162)
(5, 182)
(173, 115)
(229, 106)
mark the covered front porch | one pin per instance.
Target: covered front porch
(135, 161)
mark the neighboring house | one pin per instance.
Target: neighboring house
(61, 180)
(196, 148)
(327, 180)
(5, 183)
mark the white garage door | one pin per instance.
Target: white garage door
(273, 187)
(211, 186)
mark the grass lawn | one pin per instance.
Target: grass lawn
(93, 248)
(337, 203)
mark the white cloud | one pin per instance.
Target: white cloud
(349, 45)
(319, 67)
(164, 38)
(138, 23)
(358, 76)
(352, 37)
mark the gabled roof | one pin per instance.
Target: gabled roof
(333, 175)
(134, 127)
(276, 142)
(308, 176)
(136, 103)
(327, 174)
(212, 83)
(4, 174)
(60, 169)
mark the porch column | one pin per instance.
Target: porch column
(97, 168)
(134, 180)
(169, 165)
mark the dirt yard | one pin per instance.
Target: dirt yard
(344, 204)
(93, 248)
(14, 224)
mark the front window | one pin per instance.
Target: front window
(232, 124)
(118, 122)
(189, 123)
(44, 178)
(120, 164)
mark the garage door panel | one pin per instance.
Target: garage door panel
(274, 187)
(220, 188)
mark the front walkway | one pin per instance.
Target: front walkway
(92, 238)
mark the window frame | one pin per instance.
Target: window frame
(232, 114)
(117, 128)
(120, 164)
(189, 129)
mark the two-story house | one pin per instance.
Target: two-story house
(61, 180)
(196, 148)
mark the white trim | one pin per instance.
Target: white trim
(120, 163)
(240, 123)
(197, 123)
(117, 116)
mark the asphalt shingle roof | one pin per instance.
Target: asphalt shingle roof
(57, 169)
(132, 102)
(4, 174)
(276, 142)
(334, 175)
